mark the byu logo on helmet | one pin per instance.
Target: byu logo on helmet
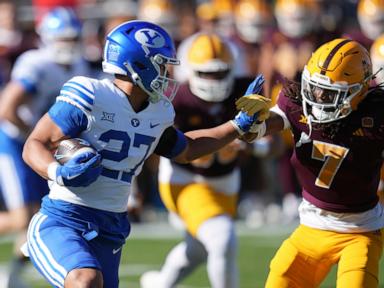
(150, 38)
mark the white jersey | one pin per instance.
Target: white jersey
(42, 78)
(123, 137)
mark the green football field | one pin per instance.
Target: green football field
(148, 245)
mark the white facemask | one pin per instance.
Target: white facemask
(65, 53)
(320, 114)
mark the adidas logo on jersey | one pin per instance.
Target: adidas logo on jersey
(359, 132)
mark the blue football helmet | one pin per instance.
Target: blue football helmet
(60, 31)
(142, 51)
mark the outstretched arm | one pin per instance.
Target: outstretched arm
(269, 120)
(184, 148)
(206, 141)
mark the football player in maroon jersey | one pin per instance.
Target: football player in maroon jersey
(203, 193)
(337, 122)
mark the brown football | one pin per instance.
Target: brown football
(69, 148)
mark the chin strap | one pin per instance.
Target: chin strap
(305, 138)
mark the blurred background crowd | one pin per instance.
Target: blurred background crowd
(275, 38)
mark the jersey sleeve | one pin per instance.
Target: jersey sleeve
(78, 92)
(281, 108)
(73, 106)
(26, 72)
(172, 143)
(71, 120)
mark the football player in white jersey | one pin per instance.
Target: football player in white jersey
(75, 239)
(36, 79)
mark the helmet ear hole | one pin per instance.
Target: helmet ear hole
(139, 65)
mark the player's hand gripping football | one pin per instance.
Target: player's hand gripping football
(253, 108)
(80, 171)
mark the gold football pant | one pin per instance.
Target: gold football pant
(196, 202)
(306, 257)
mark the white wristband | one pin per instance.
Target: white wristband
(237, 128)
(51, 171)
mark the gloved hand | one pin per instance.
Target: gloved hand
(256, 85)
(254, 104)
(254, 108)
(81, 170)
(243, 122)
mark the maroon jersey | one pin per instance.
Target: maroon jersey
(194, 113)
(339, 166)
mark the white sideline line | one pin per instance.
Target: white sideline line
(163, 230)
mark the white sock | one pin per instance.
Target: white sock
(218, 237)
(181, 261)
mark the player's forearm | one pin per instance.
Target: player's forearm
(273, 124)
(37, 156)
(206, 141)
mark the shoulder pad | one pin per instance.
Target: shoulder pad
(78, 91)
